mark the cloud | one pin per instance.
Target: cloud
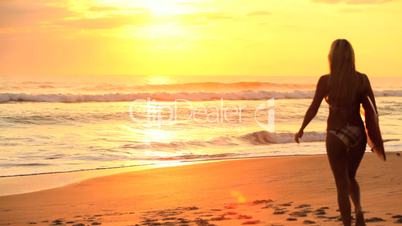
(16, 13)
(103, 8)
(203, 18)
(213, 16)
(105, 22)
(259, 13)
(351, 10)
(21, 14)
(353, 1)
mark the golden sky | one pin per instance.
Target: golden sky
(173, 40)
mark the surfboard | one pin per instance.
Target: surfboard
(373, 132)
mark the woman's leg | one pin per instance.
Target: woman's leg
(338, 159)
(355, 156)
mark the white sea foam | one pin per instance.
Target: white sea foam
(46, 138)
(265, 137)
(169, 96)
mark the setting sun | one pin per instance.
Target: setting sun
(159, 80)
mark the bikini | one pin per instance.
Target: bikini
(349, 135)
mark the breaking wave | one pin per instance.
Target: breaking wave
(255, 138)
(167, 96)
(264, 137)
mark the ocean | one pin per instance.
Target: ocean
(55, 127)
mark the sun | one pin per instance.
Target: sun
(158, 80)
(156, 135)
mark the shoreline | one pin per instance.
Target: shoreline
(248, 191)
(16, 184)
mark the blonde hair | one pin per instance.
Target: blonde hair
(343, 76)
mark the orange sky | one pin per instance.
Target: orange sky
(184, 40)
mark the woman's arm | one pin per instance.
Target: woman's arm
(320, 93)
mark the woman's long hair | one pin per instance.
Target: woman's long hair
(343, 77)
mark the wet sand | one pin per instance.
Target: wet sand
(296, 190)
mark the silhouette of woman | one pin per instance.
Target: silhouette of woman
(343, 89)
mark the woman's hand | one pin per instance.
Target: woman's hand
(298, 135)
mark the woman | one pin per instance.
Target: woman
(344, 89)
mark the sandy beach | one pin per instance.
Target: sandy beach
(297, 190)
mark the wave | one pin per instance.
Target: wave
(167, 96)
(255, 138)
(204, 86)
(265, 137)
(184, 151)
(159, 96)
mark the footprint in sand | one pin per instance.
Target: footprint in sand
(303, 206)
(268, 203)
(216, 210)
(267, 206)
(262, 201)
(319, 212)
(374, 219)
(202, 222)
(398, 218)
(57, 222)
(291, 219)
(230, 206)
(308, 222)
(242, 216)
(287, 204)
(169, 218)
(252, 222)
(191, 208)
(298, 214)
(230, 213)
(280, 211)
(183, 220)
(206, 215)
(149, 221)
(219, 218)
